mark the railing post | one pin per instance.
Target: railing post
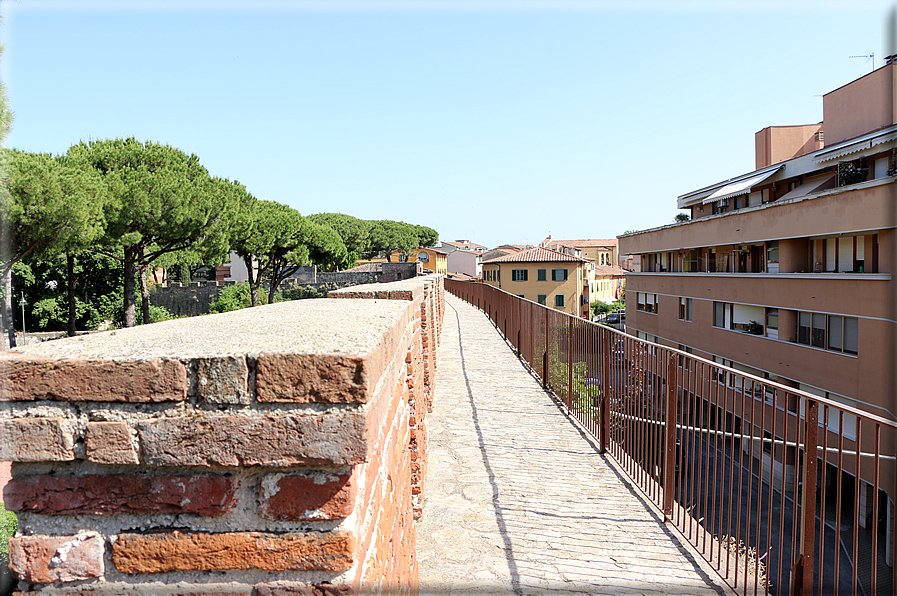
(803, 571)
(604, 402)
(569, 362)
(669, 461)
(545, 355)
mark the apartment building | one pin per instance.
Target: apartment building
(606, 277)
(786, 271)
(542, 275)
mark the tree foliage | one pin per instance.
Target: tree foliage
(268, 236)
(161, 200)
(355, 233)
(47, 205)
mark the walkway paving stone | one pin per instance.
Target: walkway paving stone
(518, 500)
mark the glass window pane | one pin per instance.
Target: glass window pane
(818, 337)
(803, 335)
(851, 334)
(834, 333)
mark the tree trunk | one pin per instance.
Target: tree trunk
(70, 265)
(130, 302)
(272, 290)
(144, 292)
(7, 308)
(253, 281)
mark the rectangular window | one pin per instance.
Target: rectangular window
(541, 275)
(831, 332)
(772, 323)
(559, 300)
(690, 261)
(542, 298)
(685, 309)
(558, 275)
(519, 274)
(722, 315)
(647, 302)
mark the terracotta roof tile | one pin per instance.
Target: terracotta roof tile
(584, 243)
(536, 255)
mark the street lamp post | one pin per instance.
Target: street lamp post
(23, 302)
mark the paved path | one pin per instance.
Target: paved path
(518, 501)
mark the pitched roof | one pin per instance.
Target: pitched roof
(536, 255)
(584, 243)
(609, 270)
(464, 245)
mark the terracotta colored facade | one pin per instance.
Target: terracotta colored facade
(788, 271)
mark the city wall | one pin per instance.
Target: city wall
(274, 450)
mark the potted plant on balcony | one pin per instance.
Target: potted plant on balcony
(754, 328)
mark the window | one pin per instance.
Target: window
(685, 309)
(830, 332)
(843, 254)
(559, 300)
(542, 298)
(722, 315)
(772, 256)
(558, 275)
(541, 275)
(684, 362)
(690, 261)
(519, 274)
(772, 323)
(647, 302)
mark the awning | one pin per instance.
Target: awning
(742, 187)
(866, 142)
(808, 187)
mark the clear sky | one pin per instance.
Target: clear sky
(489, 120)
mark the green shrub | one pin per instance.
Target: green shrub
(8, 525)
(236, 297)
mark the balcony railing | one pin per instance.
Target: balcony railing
(723, 454)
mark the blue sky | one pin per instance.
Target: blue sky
(494, 121)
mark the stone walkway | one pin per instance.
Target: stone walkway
(518, 501)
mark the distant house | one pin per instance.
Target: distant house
(542, 275)
(434, 260)
(464, 261)
(606, 276)
(462, 245)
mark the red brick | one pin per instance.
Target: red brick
(108, 494)
(154, 553)
(337, 439)
(80, 379)
(36, 439)
(295, 589)
(305, 378)
(110, 443)
(48, 559)
(301, 497)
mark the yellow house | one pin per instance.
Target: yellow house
(542, 275)
(433, 260)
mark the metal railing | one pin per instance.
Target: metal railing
(739, 484)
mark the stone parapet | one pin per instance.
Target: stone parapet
(273, 450)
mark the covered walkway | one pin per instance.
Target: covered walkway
(518, 500)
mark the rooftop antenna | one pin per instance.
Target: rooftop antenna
(867, 57)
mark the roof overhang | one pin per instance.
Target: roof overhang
(741, 187)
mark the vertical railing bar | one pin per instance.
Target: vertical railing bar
(823, 484)
(808, 499)
(782, 559)
(838, 512)
(604, 398)
(750, 481)
(762, 438)
(705, 448)
(669, 467)
(876, 472)
(772, 479)
(694, 456)
(856, 508)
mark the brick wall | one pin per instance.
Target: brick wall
(428, 304)
(275, 450)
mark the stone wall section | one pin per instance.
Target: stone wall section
(428, 302)
(261, 452)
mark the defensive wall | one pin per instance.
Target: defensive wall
(273, 450)
(195, 298)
